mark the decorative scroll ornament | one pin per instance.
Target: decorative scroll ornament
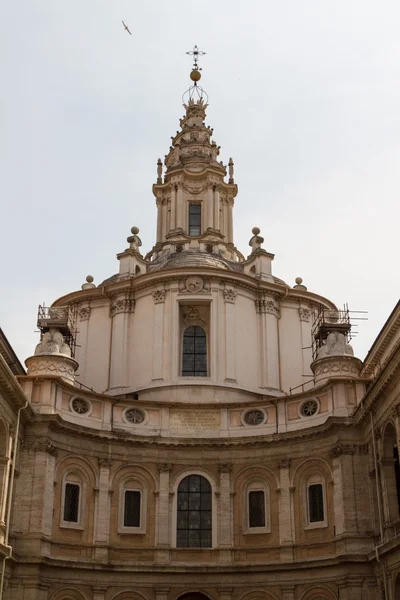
(305, 314)
(230, 295)
(284, 463)
(192, 315)
(225, 468)
(194, 285)
(349, 450)
(159, 296)
(122, 305)
(84, 313)
(267, 304)
(164, 467)
(104, 462)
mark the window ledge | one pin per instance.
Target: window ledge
(316, 525)
(131, 531)
(67, 525)
(255, 530)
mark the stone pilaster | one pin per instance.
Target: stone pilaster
(161, 592)
(268, 309)
(163, 515)
(99, 592)
(344, 487)
(102, 516)
(225, 514)
(286, 525)
(230, 334)
(158, 333)
(121, 309)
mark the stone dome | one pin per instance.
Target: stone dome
(191, 259)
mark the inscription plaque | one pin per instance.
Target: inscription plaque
(193, 419)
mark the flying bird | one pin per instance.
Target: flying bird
(126, 27)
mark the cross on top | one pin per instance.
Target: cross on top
(195, 53)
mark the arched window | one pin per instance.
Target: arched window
(132, 506)
(257, 508)
(391, 474)
(316, 509)
(194, 352)
(194, 520)
(72, 498)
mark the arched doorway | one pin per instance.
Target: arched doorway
(391, 474)
(397, 587)
(193, 596)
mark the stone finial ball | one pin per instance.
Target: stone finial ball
(195, 75)
(298, 280)
(90, 278)
(255, 230)
(135, 230)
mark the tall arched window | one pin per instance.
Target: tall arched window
(194, 352)
(391, 474)
(194, 520)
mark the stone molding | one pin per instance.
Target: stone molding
(159, 296)
(284, 463)
(194, 284)
(336, 366)
(52, 364)
(267, 304)
(104, 462)
(349, 450)
(305, 314)
(230, 296)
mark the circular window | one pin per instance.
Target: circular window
(254, 417)
(134, 415)
(309, 408)
(80, 406)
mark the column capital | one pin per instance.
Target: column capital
(159, 296)
(164, 467)
(225, 468)
(284, 463)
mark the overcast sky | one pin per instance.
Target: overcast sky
(304, 95)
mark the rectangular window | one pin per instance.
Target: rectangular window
(316, 503)
(132, 508)
(257, 509)
(71, 502)
(194, 219)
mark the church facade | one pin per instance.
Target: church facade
(195, 428)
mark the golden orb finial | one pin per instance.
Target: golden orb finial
(195, 75)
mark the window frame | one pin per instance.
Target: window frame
(197, 377)
(316, 480)
(67, 478)
(214, 512)
(256, 486)
(132, 485)
(199, 204)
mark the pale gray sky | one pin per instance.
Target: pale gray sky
(304, 95)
